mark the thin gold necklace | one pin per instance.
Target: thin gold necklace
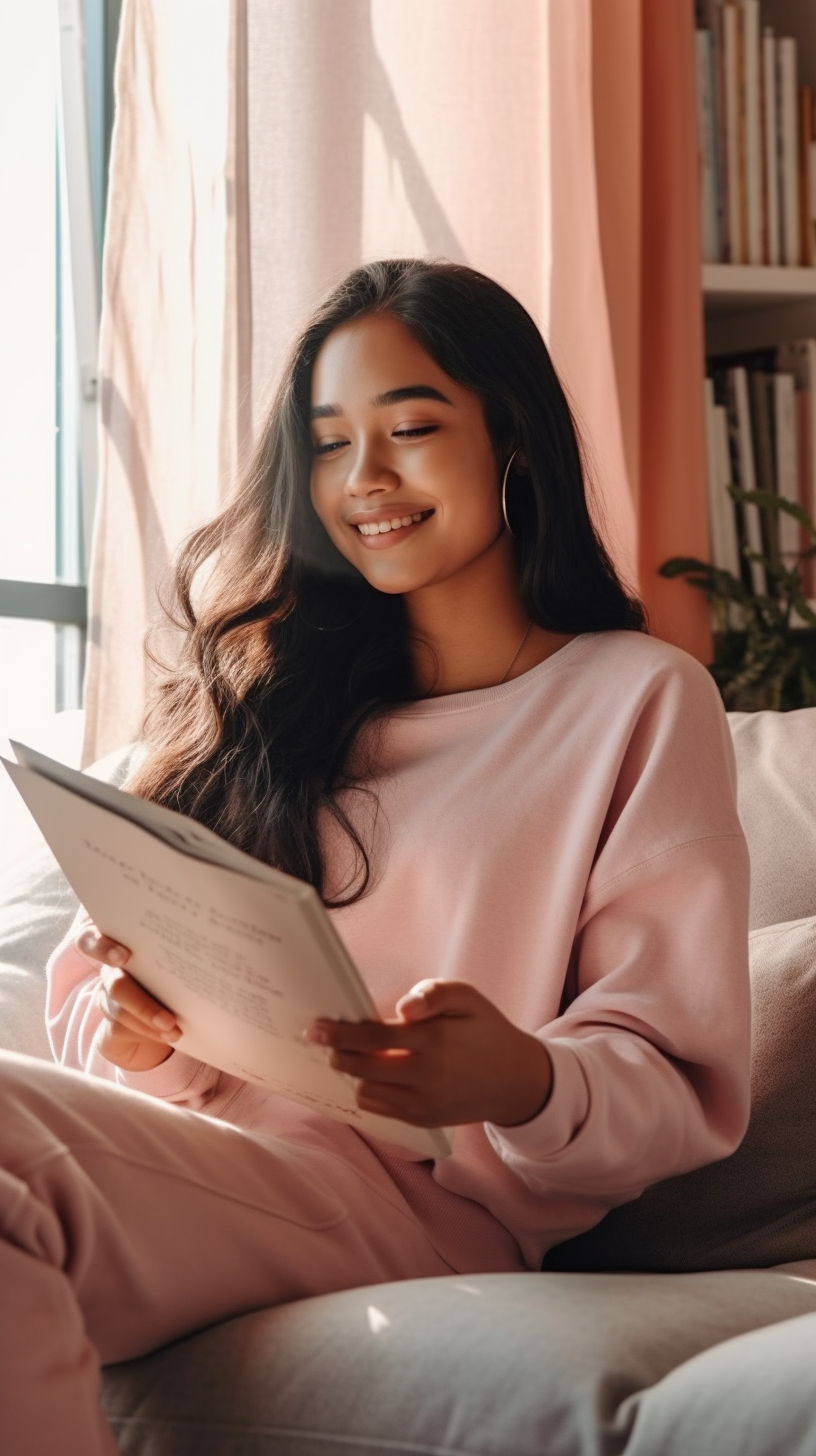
(516, 653)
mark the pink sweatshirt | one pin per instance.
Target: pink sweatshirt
(567, 842)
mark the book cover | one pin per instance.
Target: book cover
(771, 148)
(724, 544)
(787, 461)
(744, 470)
(731, 87)
(715, 28)
(788, 150)
(752, 108)
(805, 201)
(729, 538)
(812, 162)
(799, 359)
(762, 423)
(707, 149)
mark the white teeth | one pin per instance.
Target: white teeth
(381, 528)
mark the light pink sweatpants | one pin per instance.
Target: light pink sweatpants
(127, 1223)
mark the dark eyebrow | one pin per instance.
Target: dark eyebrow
(410, 391)
(380, 401)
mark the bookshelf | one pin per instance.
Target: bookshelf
(751, 307)
(748, 307)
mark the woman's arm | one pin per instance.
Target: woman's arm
(644, 1075)
(652, 1057)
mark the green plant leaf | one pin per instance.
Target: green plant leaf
(769, 501)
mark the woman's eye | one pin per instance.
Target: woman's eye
(327, 447)
(412, 431)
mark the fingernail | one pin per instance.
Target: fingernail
(165, 1021)
(417, 994)
(116, 956)
(317, 1034)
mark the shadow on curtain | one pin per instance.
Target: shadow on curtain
(257, 157)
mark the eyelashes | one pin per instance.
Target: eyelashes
(410, 432)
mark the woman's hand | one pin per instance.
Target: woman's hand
(452, 1057)
(137, 1032)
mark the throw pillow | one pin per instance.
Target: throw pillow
(757, 1207)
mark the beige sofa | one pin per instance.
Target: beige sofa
(716, 1360)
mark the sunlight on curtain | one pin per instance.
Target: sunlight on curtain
(400, 127)
(262, 148)
(165, 321)
(462, 131)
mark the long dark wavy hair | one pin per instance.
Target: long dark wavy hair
(287, 650)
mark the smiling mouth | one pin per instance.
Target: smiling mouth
(395, 523)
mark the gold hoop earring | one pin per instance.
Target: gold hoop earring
(504, 490)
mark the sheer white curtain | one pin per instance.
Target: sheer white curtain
(264, 147)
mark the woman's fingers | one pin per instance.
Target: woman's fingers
(364, 1036)
(137, 1032)
(101, 948)
(392, 1067)
(120, 998)
(124, 1001)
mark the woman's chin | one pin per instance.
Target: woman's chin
(392, 583)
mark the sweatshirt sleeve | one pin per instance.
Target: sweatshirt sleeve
(651, 1051)
(73, 1020)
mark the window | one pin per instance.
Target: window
(55, 115)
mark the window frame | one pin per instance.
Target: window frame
(88, 30)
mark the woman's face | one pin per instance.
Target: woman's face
(404, 478)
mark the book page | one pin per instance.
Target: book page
(237, 960)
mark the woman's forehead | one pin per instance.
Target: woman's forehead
(370, 356)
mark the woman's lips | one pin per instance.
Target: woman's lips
(390, 531)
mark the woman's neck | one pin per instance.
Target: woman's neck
(473, 631)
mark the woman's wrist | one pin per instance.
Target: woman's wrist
(531, 1083)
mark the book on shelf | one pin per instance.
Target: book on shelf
(760, 411)
(755, 139)
(724, 543)
(770, 175)
(786, 452)
(751, 112)
(788, 153)
(805, 152)
(741, 437)
(709, 184)
(799, 359)
(243, 955)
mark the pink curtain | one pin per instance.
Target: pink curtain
(648, 193)
(308, 136)
(173, 340)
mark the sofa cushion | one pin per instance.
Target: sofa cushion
(757, 1207)
(776, 792)
(37, 906)
(751, 1396)
(487, 1365)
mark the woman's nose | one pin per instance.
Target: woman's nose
(370, 474)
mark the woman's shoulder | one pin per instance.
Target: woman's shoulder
(627, 659)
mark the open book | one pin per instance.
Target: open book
(243, 955)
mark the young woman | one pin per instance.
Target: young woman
(412, 677)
